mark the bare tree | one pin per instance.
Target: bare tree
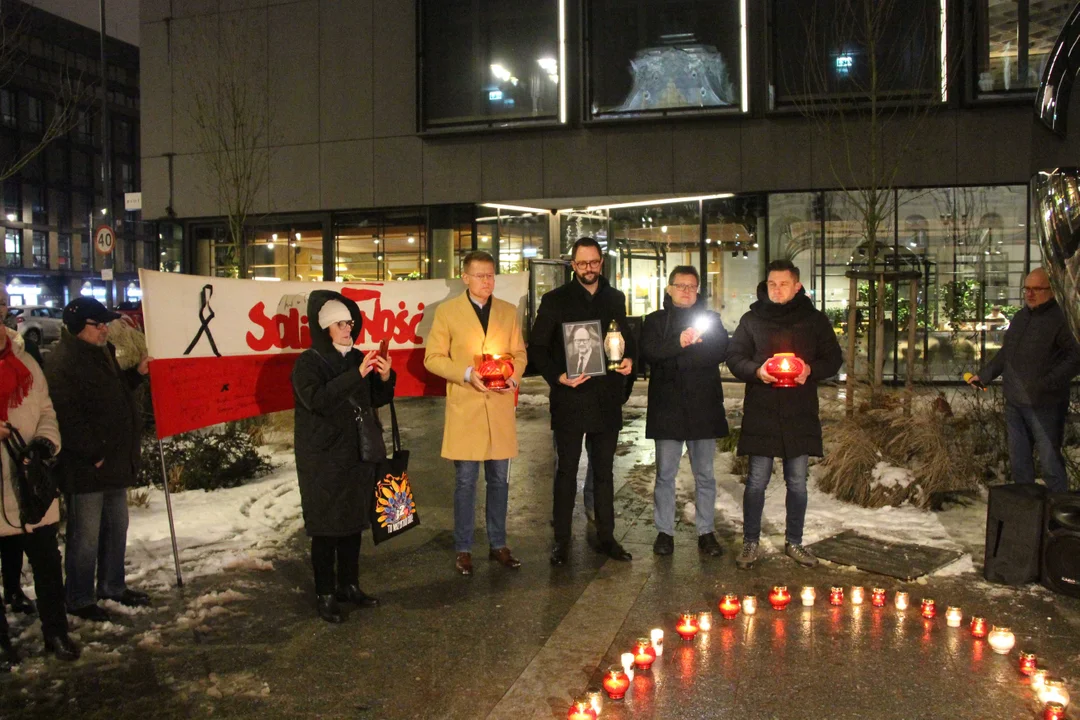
(872, 76)
(65, 85)
(230, 119)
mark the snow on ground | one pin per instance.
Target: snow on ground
(236, 528)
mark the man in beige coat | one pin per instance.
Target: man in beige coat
(480, 423)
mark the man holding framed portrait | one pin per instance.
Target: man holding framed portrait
(586, 398)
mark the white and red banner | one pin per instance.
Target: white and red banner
(224, 349)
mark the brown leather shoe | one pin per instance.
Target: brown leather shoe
(463, 564)
(504, 558)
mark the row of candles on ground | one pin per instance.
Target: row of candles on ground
(1051, 691)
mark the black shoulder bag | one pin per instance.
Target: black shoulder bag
(33, 478)
(393, 510)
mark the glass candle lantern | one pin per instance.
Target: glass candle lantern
(729, 606)
(877, 597)
(616, 682)
(858, 594)
(1054, 711)
(953, 616)
(808, 595)
(1001, 640)
(1038, 678)
(785, 367)
(657, 637)
(495, 370)
(749, 604)
(644, 655)
(902, 600)
(979, 627)
(928, 609)
(687, 627)
(627, 659)
(596, 700)
(1053, 690)
(779, 597)
(704, 621)
(836, 596)
(1027, 663)
(581, 709)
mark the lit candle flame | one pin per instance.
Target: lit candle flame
(784, 365)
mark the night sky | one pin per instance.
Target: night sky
(121, 16)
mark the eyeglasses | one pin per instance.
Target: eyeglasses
(1041, 288)
(588, 264)
(482, 278)
(686, 287)
(345, 323)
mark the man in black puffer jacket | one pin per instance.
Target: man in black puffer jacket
(781, 421)
(101, 426)
(684, 345)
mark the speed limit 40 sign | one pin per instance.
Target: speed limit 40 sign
(104, 240)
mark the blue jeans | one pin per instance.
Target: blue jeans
(467, 472)
(587, 494)
(668, 455)
(97, 525)
(1040, 428)
(754, 497)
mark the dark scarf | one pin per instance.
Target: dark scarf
(15, 381)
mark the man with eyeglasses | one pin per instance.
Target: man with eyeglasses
(1038, 358)
(101, 427)
(588, 407)
(684, 345)
(480, 424)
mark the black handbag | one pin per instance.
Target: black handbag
(34, 480)
(393, 510)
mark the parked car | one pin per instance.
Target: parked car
(38, 323)
(132, 312)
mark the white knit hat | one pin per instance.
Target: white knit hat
(333, 311)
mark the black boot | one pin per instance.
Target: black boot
(353, 594)
(62, 646)
(328, 608)
(8, 656)
(19, 602)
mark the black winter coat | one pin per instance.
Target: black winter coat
(338, 440)
(782, 422)
(98, 416)
(1039, 357)
(596, 404)
(686, 395)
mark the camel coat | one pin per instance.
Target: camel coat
(478, 426)
(35, 417)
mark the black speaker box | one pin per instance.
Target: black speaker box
(1061, 544)
(1014, 533)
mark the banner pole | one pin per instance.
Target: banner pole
(168, 508)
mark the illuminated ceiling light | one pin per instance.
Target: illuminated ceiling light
(412, 239)
(11, 218)
(708, 241)
(269, 246)
(549, 64)
(274, 237)
(500, 72)
(376, 241)
(378, 257)
(104, 211)
(519, 208)
(665, 201)
(297, 236)
(663, 228)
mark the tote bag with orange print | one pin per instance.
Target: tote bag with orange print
(393, 511)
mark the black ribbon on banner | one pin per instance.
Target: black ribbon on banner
(204, 306)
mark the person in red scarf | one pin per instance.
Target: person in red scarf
(25, 406)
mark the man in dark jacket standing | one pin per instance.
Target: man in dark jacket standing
(585, 407)
(338, 444)
(684, 345)
(1038, 358)
(100, 426)
(781, 421)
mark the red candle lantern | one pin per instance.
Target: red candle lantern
(729, 606)
(877, 597)
(785, 367)
(836, 596)
(929, 611)
(582, 709)
(616, 683)
(779, 597)
(495, 370)
(979, 627)
(1027, 663)
(1054, 711)
(687, 627)
(644, 655)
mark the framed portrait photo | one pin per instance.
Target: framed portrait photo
(584, 342)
